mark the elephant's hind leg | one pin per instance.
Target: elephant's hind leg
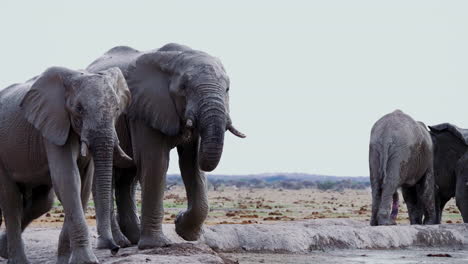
(415, 212)
(11, 201)
(389, 187)
(426, 198)
(375, 176)
(127, 216)
(39, 203)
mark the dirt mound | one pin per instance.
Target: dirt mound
(306, 236)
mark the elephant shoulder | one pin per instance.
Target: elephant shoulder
(120, 56)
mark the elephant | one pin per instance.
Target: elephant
(57, 131)
(401, 155)
(180, 99)
(450, 167)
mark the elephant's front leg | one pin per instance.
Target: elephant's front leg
(67, 185)
(86, 173)
(189, 222)
(151, 155)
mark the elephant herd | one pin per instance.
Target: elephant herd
(429, 165)
(107, 128)
(102, 130)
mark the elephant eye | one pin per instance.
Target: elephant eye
(79, 109)
(227, 89)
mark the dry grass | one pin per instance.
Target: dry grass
(249, 206)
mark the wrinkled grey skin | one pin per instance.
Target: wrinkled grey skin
(400, 155)
(450, 167)
(47, 126)
(179, 99)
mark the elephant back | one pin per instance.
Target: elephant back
(120, 56)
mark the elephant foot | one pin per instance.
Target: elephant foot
(63, 259)
(131, 230)
(187, 233)
(160, 240)
(3, 247)
(121, 239)
(105, 243)
(83, 255)
(18, 260)
(430, 221)
(386, 222)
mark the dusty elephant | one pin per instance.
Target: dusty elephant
(401, 155)
(47, 126)
(450, 167)
(179, 99)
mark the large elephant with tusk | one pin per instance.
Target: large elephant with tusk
(180, 98)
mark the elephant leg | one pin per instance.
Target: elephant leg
(40, 201)
(66, 180)
(426, 198)
(395, 206)
(128, 222)
(87, 174)
(119, 237)
(376, 188)
(189, 222)
(461, 196)
(415, 211)
(389, 188)
(11, 200)
(442, 201)
(151, 156)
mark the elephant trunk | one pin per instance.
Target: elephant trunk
(212, 125)
(102, 149)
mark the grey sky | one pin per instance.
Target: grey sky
(308, 78)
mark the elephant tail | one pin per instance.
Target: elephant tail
(383, 162)
(1, 217)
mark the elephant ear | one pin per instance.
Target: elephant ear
(150, 79)
(460, 133)
(120, 86)
(44, 105)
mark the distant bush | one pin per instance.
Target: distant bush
(278, 182)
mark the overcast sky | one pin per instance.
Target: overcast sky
(308, 78)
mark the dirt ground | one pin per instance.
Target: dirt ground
(251, 207)
(231, 205)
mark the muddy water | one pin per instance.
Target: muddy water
(396, 256)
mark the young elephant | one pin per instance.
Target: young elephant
(46, 123)
(450, 167)
(400, 155)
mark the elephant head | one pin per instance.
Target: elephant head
(63, 101)
(176, 88)
(448, 140)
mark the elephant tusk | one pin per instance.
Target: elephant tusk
(189, 123)
(84, 149)
(236, 132)
(121, 159)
